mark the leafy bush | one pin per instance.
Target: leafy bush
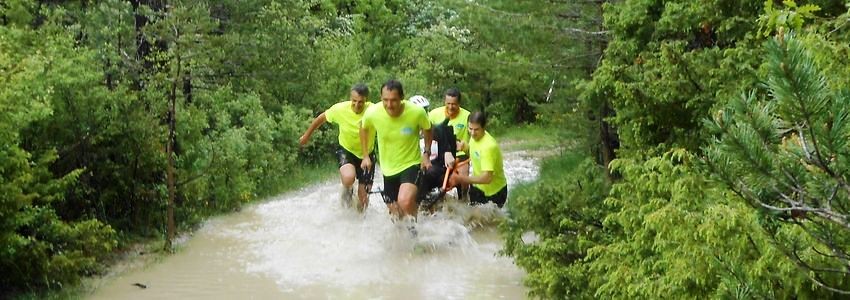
(677, 234)
(554, 222)
(39, 248)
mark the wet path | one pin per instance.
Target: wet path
(304, 245)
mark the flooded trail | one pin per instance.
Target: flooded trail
(304, 245)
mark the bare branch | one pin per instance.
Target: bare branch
(834, 217)
(816, 269)
(816, 280)
(817, 159)
(204, 173)
(840, 256)
(826, 240)
(828, 202)
(581, 31)
(804, 143)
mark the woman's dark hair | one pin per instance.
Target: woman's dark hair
(361, 89)
(478, 117)
(454, 92)
(394, 85)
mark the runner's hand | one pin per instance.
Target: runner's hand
(426, 161)
(453, 181)
(449, 159)
(303, 140)
(366, 163)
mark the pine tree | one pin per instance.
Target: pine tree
(788, 156)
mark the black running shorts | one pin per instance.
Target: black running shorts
(346, 157)
(392, 184)
(476, 196)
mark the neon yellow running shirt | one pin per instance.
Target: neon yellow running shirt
(458, 124)
(486, 156)
(398, 138)
(349, 126)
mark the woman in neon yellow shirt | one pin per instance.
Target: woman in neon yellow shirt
(488, 173)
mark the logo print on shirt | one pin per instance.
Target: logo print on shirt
(459, 126)
(406, 130)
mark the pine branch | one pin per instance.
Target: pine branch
(805, 179)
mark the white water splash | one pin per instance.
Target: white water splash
(310, 239)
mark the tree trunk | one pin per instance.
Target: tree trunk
(608, 139)
(143, 47)
(187, 88)
(170, 145)
(171, 227)
(487, 97)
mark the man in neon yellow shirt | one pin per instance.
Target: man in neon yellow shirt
(347, 116)
(397, 124)
(488, 174)
(458, 118)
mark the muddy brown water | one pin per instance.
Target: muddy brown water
(305, 245)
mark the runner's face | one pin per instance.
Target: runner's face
(476, 131)
(452, 106)
(392, 102)
(357, 102)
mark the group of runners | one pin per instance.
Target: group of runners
(417, 151)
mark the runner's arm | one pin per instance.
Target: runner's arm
(462, 146)
(366, 163)
(426, 157)
(450, 140)
(485, 178)
(318, 121)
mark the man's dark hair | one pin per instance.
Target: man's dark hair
(361, 89)
(478, 117)
(454, 92)
(393, 85)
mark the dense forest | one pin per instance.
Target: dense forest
(705, 142)
(729, 176)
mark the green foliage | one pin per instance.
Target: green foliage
(86, 88)
(278, 57)
(39, 248)
(553, 224)
(17, 12)
(474, 46)
(670, 72)
(677, 235)
(786, 156)
(748, 206)
(790, 17)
